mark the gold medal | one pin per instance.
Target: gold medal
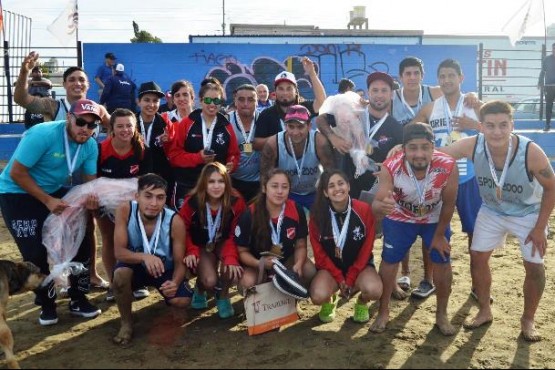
(337, 252)
(210, 247)
(247, 148)
(454, 136)
(369, 149)
(276, 250)
(498, 192)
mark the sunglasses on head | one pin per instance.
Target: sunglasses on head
(216, 101)
(81, 122)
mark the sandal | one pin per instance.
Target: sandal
(404, 282)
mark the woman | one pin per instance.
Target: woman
(342, 238)
(183, 97)
(273, 225)
(203, 137)
(211, 212)
(122, 155)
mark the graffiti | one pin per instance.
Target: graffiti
(212, 58)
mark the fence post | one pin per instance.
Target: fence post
(542, 87)
(79, 55)
(8, 79)
(480, 68)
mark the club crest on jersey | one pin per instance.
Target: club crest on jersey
(291, 233)
(357, 234)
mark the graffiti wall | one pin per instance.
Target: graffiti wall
(236, 64)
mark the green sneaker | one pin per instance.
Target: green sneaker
(225, 309)
(199, 301)
(361, 313)
(327, 310)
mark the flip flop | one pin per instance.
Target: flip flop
(404, 282)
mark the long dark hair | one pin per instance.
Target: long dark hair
(136, 141)
(320, 208)
(201, 195)
(260, 229)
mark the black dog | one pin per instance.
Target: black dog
(14, 278)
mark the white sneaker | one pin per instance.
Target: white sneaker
(141, 293)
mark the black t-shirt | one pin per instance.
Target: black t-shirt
(270, 120)
(160, 164)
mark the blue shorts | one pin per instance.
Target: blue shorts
(304, 200)
(400, 236)
(142, 278)
(468, 204)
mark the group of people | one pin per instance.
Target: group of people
(221, 195)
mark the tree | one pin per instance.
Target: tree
(144, 36)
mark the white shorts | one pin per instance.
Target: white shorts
(491, 230)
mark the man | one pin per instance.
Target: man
(299, 151)
(451, 120)
(246, 178)
(39, 85)
(168, 106)
(105, 71)
(32, 185)
(119, 91)
(271, 120)
(263, 95)
(149, 246)
(517, 187)
(547, 81)
(416, 194)
(345, 85)
(384, 132)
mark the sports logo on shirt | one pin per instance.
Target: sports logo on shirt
(220, 138)
(134, 169)
(357, 234)
(237, 231)
(291, 233)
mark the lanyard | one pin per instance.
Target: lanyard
(339, 237)
(421, 191)
(150, 246)
(449, 115)
(406, 105)
(207, 138)
(239, 124)
(282, 123)
(148, 133)
(213, 224)
(276, 232)
(499, 181)
(174, 114)
(299, 168)
(70, 162)
(374, 130)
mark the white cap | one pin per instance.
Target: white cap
(285, 76)
(119, 67)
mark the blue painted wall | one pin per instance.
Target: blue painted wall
(235, 64)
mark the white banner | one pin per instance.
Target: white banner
(64, 28)
(530, 13)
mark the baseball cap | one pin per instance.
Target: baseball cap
(120, 67)
(151, 87)
(417, 130)
(379, 76)
(285, 76)
(110, 56)
(85, 106)
(297, 113)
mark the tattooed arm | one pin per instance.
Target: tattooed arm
(268, 158)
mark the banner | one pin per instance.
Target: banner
(530, 13)
(64, 28)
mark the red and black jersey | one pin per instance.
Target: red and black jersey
(187, 141)
(160, 163)
(197, 237)
(357, 250)
(116, 166)
(293, 228)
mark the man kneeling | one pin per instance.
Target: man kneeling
(149, 247)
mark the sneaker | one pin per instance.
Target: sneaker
(199, 301)
(425, 288)
(141, 293)
(225, 309)
(475, 296)
(361, 313)
(83, 308)
(327, 310)
(110, 295)
(48, 316)
(547, 127)
(64, 293)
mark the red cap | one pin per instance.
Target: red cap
(85, 106)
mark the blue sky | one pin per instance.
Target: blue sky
(175, 20)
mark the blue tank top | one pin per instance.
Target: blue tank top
(164, 249)
(440, 126)
(249, 163)
(310, 171)
(404, 114)
(522, 193)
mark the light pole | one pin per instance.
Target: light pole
(223, 17)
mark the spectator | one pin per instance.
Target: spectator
(105, 71)
(38, 85)
(547, 81)
(119, 91)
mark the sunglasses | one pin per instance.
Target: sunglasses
(216, 101)
(81, 122)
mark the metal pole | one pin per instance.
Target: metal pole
(8, 80)
(480, 69)
(223, 17)
(542, 84)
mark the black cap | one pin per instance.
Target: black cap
(379, 76)
(417, 130)
(151, 87)
(110, 56)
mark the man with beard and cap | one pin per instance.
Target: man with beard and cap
(271, 120)
(385, 132)
(32, 185)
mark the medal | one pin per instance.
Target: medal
(421, 210)
(499, 192)
(277, 250)
(340, 235)
(247, 148)
(499, 181)
(369, 149)
(454, 136)
(337, 253)
(210, 247)
(213, 225)
(277, 247)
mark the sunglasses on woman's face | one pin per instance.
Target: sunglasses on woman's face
(81, 122)
(216, 101)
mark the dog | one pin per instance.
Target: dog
(15, 277)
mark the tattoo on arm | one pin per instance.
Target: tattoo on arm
(268, 157)
(42, 106)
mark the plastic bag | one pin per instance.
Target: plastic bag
(351, 124)
(63, 234)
